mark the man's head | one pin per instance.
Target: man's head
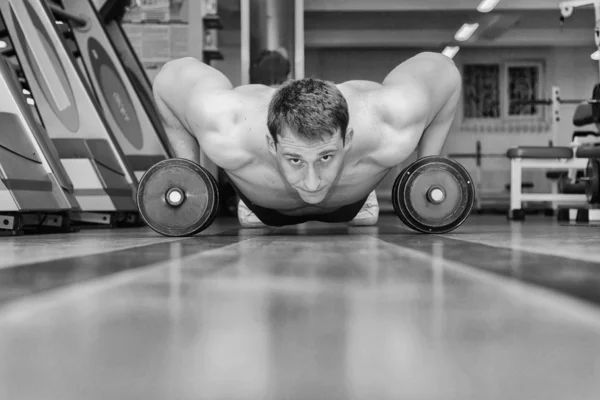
(309, 135)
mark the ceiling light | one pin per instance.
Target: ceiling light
(596, 55)
(465, 32)
(487, 5)
(450, 51)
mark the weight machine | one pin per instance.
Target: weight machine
(553, 158)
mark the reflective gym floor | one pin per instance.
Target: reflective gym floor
(493, 310)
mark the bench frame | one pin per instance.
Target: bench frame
(517, 197)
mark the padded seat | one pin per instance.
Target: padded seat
(556, 173)
(539, 152)
(583, 115)
(585, 133)
(588, 151)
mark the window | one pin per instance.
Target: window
(481, 91)
(497, 94)
(523, 84)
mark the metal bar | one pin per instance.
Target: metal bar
(565, 163)
(597, 15)
(475, 155)
(516, 179)
(72, 18)
(579, 198)
(555, 116)
(548, 102)
(299, 39)
(577, 101)
(542, 102)
(245, 44)
(572, 101)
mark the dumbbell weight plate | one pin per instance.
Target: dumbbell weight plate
(200, 198)
(395, 199)
(411, 195)
(592, 183)
(215, 212)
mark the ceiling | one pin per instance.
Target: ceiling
(418, 23)
(331, 20)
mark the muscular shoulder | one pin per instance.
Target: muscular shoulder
(401, 106)
(219, 110)
(404, 106)
(222, 120)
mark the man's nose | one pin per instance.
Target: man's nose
(312, 180)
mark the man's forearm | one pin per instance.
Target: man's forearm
(181, 143)
(434, 137)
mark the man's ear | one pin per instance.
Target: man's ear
(271, 145)
(348, 138)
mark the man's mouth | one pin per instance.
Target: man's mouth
(311, 192)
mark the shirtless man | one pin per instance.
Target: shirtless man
(309, 149)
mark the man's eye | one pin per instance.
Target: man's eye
(295, 161)
(326, 158)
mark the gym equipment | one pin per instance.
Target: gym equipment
(111, 13)
(479, 155)
(75, 20)
(35, 191)
(550, 158)
(583, 115)
(433, 195)
(566, 186)
(178, 197)
(547, 158)
(395, 200)
(120, 86)
(590, 213)
(592, 181)
(555, 101)
(102, 180)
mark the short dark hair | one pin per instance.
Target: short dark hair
(310, 108)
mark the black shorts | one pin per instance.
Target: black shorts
(275, 218)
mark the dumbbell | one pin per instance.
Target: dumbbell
(178, 197)
(433, 195)
(592, 180)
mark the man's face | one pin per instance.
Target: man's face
(311, 168)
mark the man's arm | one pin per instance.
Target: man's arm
(431, 83)
(193, 101)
